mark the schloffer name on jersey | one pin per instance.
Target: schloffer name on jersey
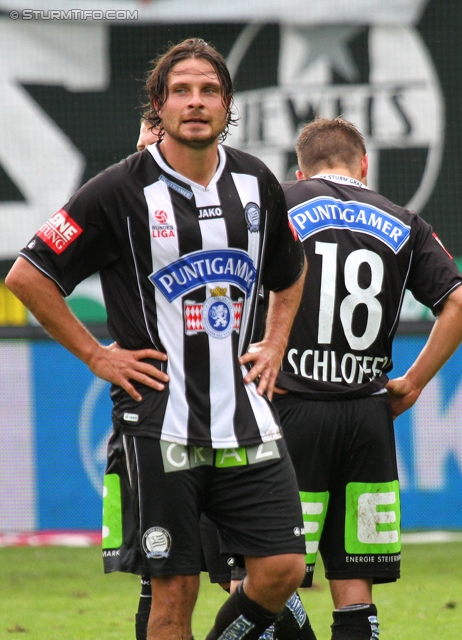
(329, 366)
(59, 231)
(330, 213)
(199, 268)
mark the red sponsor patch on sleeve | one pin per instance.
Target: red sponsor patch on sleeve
(293, 229)
(59, 231)
(441, 245)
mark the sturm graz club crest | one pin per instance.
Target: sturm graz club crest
(380, 76)
(252, 216)
(157, 543)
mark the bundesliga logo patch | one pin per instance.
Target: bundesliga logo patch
(163, 229)
(59, 231)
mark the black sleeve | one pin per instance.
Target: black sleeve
(78, 240)
(284, 254)
(433, 274)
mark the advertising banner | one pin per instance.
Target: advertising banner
(71, 81)
(56, 419)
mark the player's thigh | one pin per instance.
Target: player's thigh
(120, 535)
(256, 505)
(361, 535)
(169, 506)
(217, 564)
(309, 431)
(312, 437)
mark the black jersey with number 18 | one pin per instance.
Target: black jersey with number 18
(363, 252)
(180, 268)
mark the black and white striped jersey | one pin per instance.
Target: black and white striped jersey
(363, 251)
(180, 268)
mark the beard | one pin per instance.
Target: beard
(193, 143)
(202, 140)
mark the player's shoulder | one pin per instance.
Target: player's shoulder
(131, 172)
(243, 162)
(289, 183)
(381, 202)
(129, 167)
(301, 191)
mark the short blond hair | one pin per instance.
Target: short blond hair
(326, 143)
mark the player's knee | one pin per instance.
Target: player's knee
(279, 576)
(292, 572)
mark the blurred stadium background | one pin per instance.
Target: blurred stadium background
(71, 75)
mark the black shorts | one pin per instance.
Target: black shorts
(120, 535)
(121, 548)
(249, 493)
(344, 456)
(218, 565)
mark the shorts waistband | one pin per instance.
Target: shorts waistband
(178, 457)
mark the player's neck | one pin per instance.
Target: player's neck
(342, 171)
(198, 165)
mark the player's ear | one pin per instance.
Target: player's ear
(227, 100)
(157, 107)
(300, 175)
(364, 166)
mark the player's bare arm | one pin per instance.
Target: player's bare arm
(442, 342)
(44, 300)
(267, 355)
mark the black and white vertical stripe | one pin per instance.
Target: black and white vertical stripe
(206, 384)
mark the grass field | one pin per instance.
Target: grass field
(59, 593)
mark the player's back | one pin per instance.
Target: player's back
(362, 253)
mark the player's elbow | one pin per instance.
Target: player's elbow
(13, 280)
(454, 300)
(452, 308)
(20, 278)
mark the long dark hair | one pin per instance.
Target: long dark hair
(157, 82)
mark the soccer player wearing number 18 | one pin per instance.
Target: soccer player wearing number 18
(363, 252)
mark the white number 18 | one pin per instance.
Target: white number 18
(357, 296)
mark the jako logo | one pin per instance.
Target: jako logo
(210, 212)
(160, 216)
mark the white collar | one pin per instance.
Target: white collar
(335, 177)
(158, 157)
